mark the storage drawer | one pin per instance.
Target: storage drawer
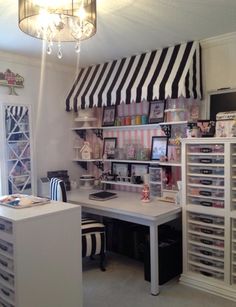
(155, 189)
(206, 272)
(155, 174)
(6, 263)
(6, 277)
(206, 170)
(206, 181)
(200, 201)
(7, 293)
(207, 262)
(207, 219)
(207, 230)
(5, 225)
(3, 303)
(206, 159)
(206, 241)
(206, 192)
(207, 251)
(6, 247)
(206, 148)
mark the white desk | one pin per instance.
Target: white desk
(128, 207)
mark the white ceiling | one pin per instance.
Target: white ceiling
(127, 27)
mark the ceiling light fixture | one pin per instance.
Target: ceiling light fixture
(58, 21)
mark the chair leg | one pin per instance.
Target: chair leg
(102, 261)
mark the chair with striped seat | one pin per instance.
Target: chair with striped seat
(93, 232)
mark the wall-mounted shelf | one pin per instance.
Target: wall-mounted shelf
(120, 183)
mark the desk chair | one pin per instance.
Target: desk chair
(93, 232)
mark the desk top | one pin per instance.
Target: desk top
(127, 203)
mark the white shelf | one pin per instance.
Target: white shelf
(204, 154)
(132, 127)
(90, 160)
(218, 187)
(205, 197)
(206, 210)
(127, 184)
(131, 161)
(178, 164)
(85, 128)
(206, 175)
(207, 164)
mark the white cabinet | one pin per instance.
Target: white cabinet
(40, 256)
(16, 159)
(209, 215)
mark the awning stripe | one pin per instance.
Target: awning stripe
(170, 72)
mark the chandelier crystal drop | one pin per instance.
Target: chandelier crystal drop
(58, 21)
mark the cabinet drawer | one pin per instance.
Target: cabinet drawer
(206, 159)
(5, 226)
(207, 219)
(7, 278)
(6, 247)
(207, 262)
(206, 192)
(207, 230)
(206, 241)
(4, 303)
(6, 263)
(200, 201)
(206, 148)
(206, 170)
(7, 293)
(207, 251)
(206, 272)
(205, 181)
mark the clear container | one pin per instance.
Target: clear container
(205, 192)
(175, 115)
(206, 148)
(214, 203)
(207, 251)
(207, 230)
(208, 170)
(207, 219)
(206, 181)
(206, 159)
(207, 241)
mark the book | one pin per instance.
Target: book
(19, 201)
(102, 195)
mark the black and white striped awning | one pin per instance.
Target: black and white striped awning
(170, 72)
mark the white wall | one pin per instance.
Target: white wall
(45, 89)
(218, 64)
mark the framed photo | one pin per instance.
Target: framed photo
(159, 147)
(156, 111)
(109, 146)
(120, 169)
(139, 169)
(109, 115)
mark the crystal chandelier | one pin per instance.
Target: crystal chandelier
(57, 21)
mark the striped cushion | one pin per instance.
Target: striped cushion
(93, 237)
(58, 190)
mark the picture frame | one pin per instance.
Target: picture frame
(109, 146)
(120, 169)
(109, 115)
(159, 147)
(156, 111)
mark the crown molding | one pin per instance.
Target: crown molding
(218, 40)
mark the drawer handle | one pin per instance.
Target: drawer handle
(206, 182)
(206, 253)
(208, 242)
(206, 262)
(206, 203)
(206, 171)
(2, 227)
(3, 247)
(205, 193)
(205, 160)
(206, 273)
(5, 292)
(207, 231)
(205, 149)
(4, 277)
(4, 263)
(205, 220)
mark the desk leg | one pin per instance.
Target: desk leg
(154, 260)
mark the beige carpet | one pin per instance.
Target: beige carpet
(123, 285)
